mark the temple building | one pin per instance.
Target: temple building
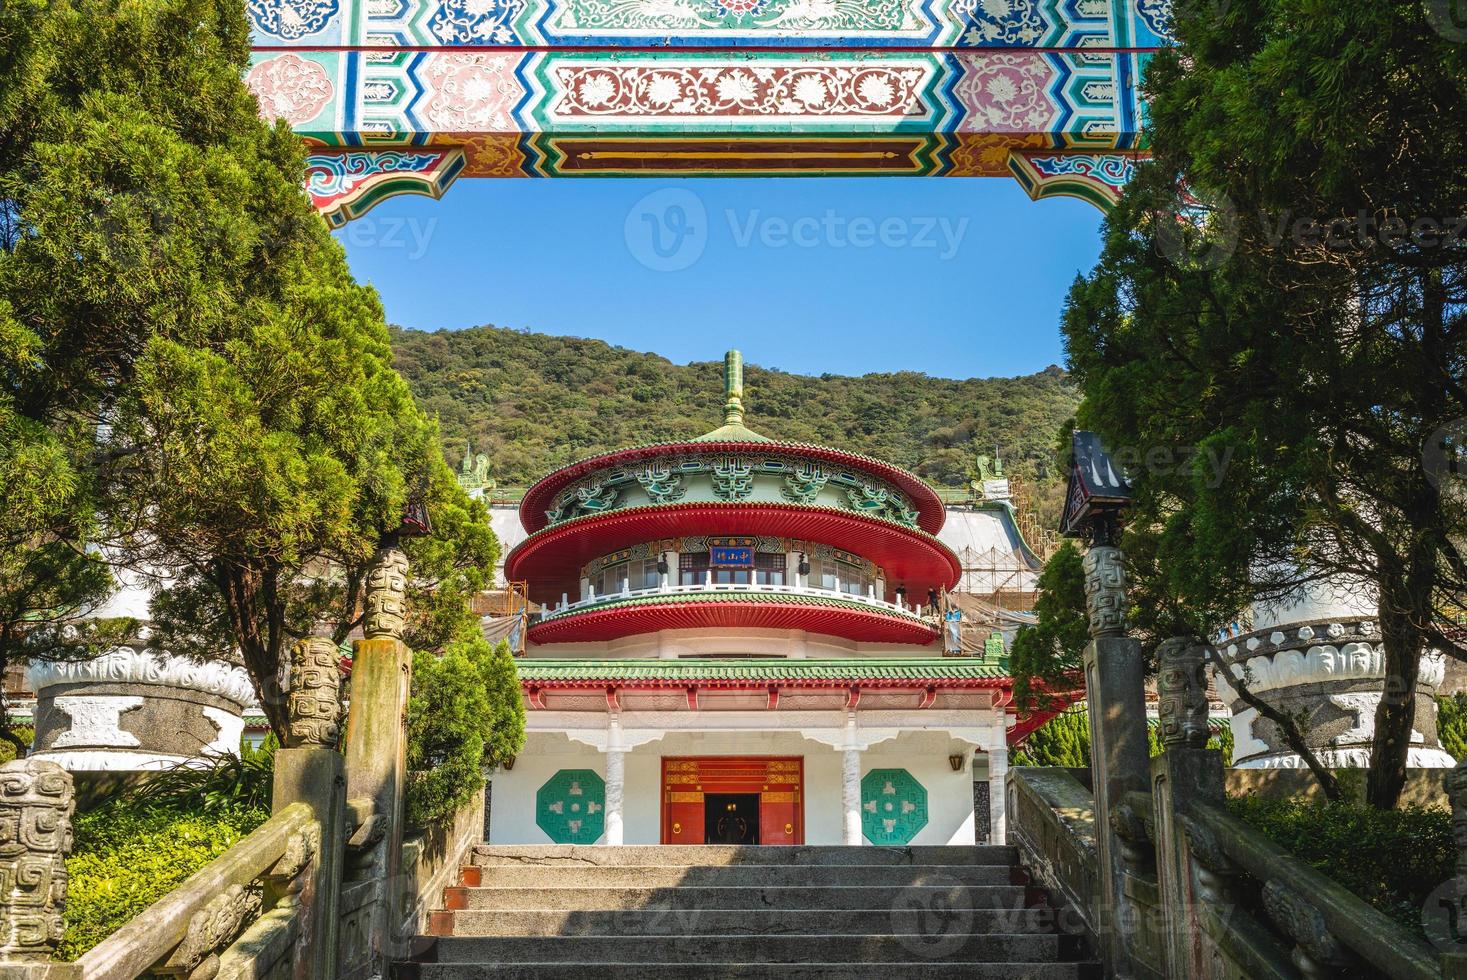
(741, 640)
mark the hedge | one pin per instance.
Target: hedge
(1393, 859)
(1064, 741)
(465, 714)
(127, 856)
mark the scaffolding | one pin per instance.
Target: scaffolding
(1043, 541)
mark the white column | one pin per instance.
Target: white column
(615, 782)
(998, 767)
(850, 786)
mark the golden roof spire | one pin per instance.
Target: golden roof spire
(733, 388)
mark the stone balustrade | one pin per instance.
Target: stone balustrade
(594, 600)
(311, 893)
(1225, 901)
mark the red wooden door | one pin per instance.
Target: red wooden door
(682, 802)
(778, 781)
(682, 818)
(779, 818)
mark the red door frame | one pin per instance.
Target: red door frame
(779, 781)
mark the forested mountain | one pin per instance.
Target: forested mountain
(534, 402)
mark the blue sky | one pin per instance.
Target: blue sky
(954, 277)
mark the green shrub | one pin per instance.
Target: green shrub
(1390, 858)
(445, 731)
(1451, 724)
(25, 733)
(1064, 741)
(128, 855)
(464, 714)
(225, 784)
(504, 731)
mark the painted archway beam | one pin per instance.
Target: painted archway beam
(409, 96)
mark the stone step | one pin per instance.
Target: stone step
(904, 969)
(948, 896)
(708, 855)
(669, 921)
(940, 946)
(731, 876)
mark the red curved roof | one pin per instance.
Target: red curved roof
(833, 618)
(537, 500)
(550, 561)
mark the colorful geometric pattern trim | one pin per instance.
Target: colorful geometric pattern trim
(571, 807)
(346, 185)
(1098, 178)
(975, 24)
(893, 806)
(761, 671)
(552, 88)
(731, 479)
(562, 105)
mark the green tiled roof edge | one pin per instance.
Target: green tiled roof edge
(771, 445)
(763, 669)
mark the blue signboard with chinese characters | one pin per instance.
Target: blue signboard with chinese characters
(725, 556)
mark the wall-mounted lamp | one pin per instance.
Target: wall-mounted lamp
(507, 764)
(956, 761)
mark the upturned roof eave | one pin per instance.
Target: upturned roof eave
(931, 513)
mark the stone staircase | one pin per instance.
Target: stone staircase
(745, 912)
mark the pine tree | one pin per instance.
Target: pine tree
(190, 373)
(1280, 312)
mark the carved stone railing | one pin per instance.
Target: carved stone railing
(191, 925)
(1052, 821)
(1236, 903)
(1333, 932)
(311, 893)
(1206, 896)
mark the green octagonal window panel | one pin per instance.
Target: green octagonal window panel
(571, 807)
(893, 806)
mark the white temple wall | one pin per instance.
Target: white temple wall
(922, 754)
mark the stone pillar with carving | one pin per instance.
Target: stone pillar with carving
(1119, 751)
(385, 600)
(616, 781)
(310, 770)
(1185, 773)
(376, 747)
(36, 804)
